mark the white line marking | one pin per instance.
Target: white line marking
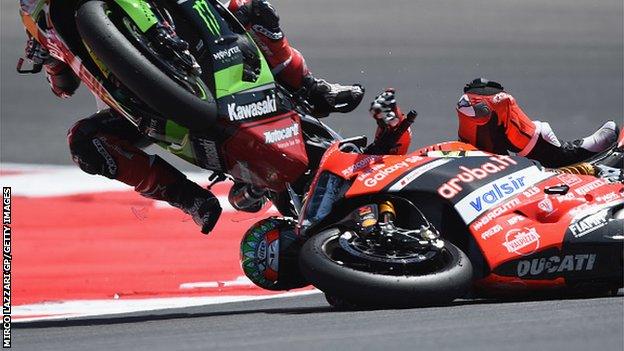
(90, 308)
(51, 180)
(56, 180)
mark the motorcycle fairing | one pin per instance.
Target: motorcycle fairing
(528, 242)
(471, 184)
(38, 17)
(140, 12)
(249, 105)
(261, 163)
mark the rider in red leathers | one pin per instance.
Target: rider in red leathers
(491, 120)
(107, 144)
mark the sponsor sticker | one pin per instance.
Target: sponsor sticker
(210, 153)
(569, 179)
(497, 191)
(515, 219)
(226, 54)
(522, 241)
(252, 110)
(502, 96)
(492, 231)
(453, 187)
(568, 197)
(585, 189)
(590, 223)
(612, 196)
(382, 173)
(413, 175)
(532, 191)
(546, 205)
(556, 264)
(506, 207)
(359, 165)
(277, 135)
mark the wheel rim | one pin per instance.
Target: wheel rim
(191, 83)
(344, 250)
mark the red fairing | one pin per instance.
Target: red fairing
(447, 146)
(267, 153)
(534, 221)
(520, 234)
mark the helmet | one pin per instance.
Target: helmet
(269, 254)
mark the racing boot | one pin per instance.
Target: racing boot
(159, 180)
(246, 198)
(101, 144)
(192, 199)
(552, 153)
(327, 98)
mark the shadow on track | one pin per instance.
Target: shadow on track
(128, 319)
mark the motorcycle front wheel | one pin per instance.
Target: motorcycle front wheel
(137, 72)
(337, 272)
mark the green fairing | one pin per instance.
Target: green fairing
(178, 135)
(140, 12)
(228, 81)
(174, 132)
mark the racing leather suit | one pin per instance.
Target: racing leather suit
(491, 120)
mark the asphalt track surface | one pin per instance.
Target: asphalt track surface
(561, 59)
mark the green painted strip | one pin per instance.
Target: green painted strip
(214, 20)
(202, 8)
(229, 81)
(38, 8)
(175, 132)
(178, 135)
(140, 12)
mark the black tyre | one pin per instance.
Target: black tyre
(138, 73)
(318, 264)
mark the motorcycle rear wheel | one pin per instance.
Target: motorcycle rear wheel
(368, 289)
(138, 73)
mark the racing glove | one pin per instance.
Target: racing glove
(62, 79)
(262, 17)
(388, 116)
(385, 111)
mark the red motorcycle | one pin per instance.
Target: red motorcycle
(446, 220)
